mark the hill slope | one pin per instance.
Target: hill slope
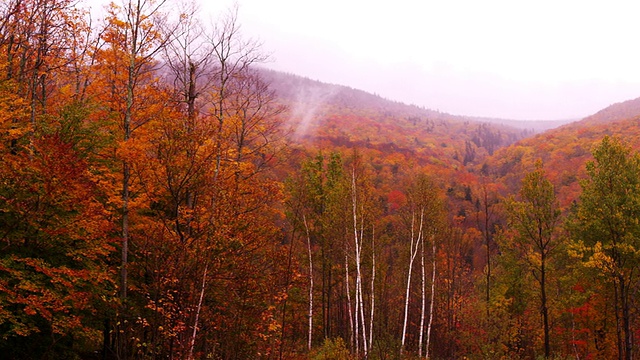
(326, 116)
(565, 150)
(330, 115)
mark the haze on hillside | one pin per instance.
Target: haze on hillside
(542, 60)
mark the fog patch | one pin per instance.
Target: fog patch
(308, 107)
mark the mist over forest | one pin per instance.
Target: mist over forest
(166, 195)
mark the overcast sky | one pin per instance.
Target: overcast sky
(542, 59)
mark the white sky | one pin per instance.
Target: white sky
(542, 59)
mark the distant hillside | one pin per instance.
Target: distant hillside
(565, 150)
(536, 126)
(331, 115)
(616, 112)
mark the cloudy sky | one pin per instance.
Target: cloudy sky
(542, 59)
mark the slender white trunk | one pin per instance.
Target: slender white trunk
(358, 313)
(346, 277)
(433, 292)
(310, 335)
(360, 321)
(357, 289)
(195, 322)
(360, 291)
(415, 244)
(424, 300)
(373, 280)
(357, 323)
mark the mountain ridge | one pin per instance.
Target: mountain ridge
(338, 115)
(565, 150)
(289, 86)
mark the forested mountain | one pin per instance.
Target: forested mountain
(535, 126)
(625, 110)
(327, 116)
(565, 150)
(163, 196)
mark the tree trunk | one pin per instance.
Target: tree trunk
(350, 311)
(325, 290)
(373, 294)
(626, 322)
(617, 301)
(192, 343)
(128, 114)
(125, 230)
(424, 300)
(310, 334)
(281, 347)
(545, 310)
(359, 305)
(413, 253)
(433, 295)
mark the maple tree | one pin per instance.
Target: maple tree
(154, 203)
(57, 236)
(55, 220)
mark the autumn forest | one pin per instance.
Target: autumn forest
(165, 196)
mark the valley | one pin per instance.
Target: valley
(164, 196)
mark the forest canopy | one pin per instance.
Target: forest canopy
(158, 199)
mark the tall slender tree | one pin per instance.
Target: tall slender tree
(485, 218)
(535, 217)
(133, 39)
(424, 216)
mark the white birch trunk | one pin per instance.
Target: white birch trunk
(356, 321)
(424, 300)
(415, 244)
(433, 292)
(360, 291)
(357, 259)
(346, 277)
(362, 319)
(373, 280)
(310, 335)
(358, 313)
(195, 322)
(359, 306)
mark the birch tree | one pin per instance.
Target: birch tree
(310, 254)
(425, 218)
(423, 298)
(373, 286)
(433, 295)
(360, 201)
(318, 195)
(416, 238)
(423, 313)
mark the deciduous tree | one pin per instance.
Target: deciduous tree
(535, 218)
(606, 229)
